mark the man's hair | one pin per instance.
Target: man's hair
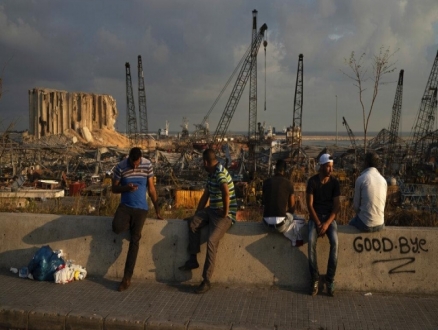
(209, 155)
(135, 154)
(372, 159)
(280, 166)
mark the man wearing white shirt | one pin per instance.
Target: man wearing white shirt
(370, 197)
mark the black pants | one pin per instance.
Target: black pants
(133, 219)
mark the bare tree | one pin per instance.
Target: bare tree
(382, 64)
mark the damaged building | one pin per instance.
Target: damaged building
(51, 112)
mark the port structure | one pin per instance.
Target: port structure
(388, 139)
(252, 114)
(394, 127)
(426, 117)
(131, 118)
(298, 155)
(236, 93)
(351, 136)
(142, 108)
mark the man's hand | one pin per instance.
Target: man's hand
(222, 213)
(323, 228)
(132, 187)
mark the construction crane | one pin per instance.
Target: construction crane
(253, 126)
(252, 123)
(395, 121)
(350, 133)
(185, 128)
(396, 110)
(142, 109)
(202, 130)
(236, 93)
(131, 118)
(426, 116)
(296, 137)
(352, 139)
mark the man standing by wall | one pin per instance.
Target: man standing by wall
(219, 217)
(132, 177)
(278, 198)
(322, 197)
(370, 196)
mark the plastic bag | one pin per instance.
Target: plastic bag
(299, 224)
(44, 264)
(294, 231)
(69, 273)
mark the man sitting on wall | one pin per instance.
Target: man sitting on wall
(370, 196)
(278, 198)
(218, 217)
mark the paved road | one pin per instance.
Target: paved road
(95, 304)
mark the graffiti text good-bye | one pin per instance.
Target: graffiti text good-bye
(384, 244)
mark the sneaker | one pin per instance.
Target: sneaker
(203, 287)
(126, 282)
(314, 288)
(189, 265)
(331, 288)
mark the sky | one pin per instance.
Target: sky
(190, 48)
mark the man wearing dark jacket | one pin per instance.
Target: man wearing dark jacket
(278, 198)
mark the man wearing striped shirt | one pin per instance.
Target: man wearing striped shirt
(132, 177)
(218, 217)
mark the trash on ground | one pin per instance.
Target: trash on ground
(69, 273)
(23, 272)
(45, 263)
(49, 265)
(368, 294)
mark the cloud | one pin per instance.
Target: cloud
(190, 48)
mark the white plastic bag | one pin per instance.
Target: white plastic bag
(293, 232)
(70, 273)
(64, 275)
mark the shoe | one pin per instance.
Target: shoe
(331, 289)
(203, 287)
(189, 265)
(126, 282)
(314, 288)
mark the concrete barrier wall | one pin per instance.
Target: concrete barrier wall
(399, 259)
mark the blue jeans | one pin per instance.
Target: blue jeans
(332, 235)
(356, 222)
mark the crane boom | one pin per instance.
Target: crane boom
(142, 109)
(350, 133)
(395, 121)
(131, 118)
(236, 93)
(426, 114)
(252, 122)
(396, 111)
(298, 105)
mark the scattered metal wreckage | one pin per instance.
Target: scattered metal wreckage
(54, 167)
